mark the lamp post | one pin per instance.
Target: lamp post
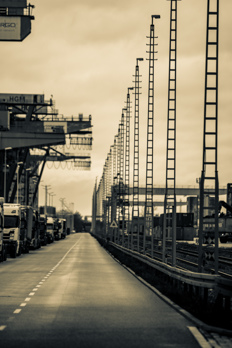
(27, 185)
(18, 165)
(52, 195)
(46, 187)
(7, 148)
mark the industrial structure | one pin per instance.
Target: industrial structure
(31, 127)
(132, 221)
(30, 130)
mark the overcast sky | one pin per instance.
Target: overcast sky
(84, 54)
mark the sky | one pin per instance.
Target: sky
(84, 54)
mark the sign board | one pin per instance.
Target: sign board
(13, 3)
(14, 28)
(20, 99)
(114, 224)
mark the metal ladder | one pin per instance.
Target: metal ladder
(148, 214)
(209, 175)
(169, 223)
(135, 207)
(127, 163)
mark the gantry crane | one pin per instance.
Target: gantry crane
(27, 122)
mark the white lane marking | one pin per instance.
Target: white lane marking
(17, 311)
(199, 338)
(23, 304)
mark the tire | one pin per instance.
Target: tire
(13, 252)
(5, 254)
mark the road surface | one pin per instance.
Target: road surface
(72, 293)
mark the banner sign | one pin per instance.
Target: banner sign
(14, 28)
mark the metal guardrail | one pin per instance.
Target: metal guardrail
(201, 280)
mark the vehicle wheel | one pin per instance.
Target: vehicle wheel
(5, 255)
(13, 253)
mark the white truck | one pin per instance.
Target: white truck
(17, 228)
(50, 229)
(3, 251)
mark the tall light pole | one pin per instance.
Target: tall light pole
(27, 185)
(46, 187)
(18, 165)
(52, 195)
(7, 148)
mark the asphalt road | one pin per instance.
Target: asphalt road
(73, 294)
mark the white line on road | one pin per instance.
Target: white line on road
(27, 299)
(2, 327)
(199, 338)
(23, 304)
(31, 294)
(17, 311)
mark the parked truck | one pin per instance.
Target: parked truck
(50, 229)
(57, 233)
(43, 229)
(35, 238)
(3, 252)
(63, 228)
(17, 228)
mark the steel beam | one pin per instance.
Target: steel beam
(24, 139)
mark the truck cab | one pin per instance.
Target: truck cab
(12, 229)
(62, 228)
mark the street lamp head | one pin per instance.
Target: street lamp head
(155, 16)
